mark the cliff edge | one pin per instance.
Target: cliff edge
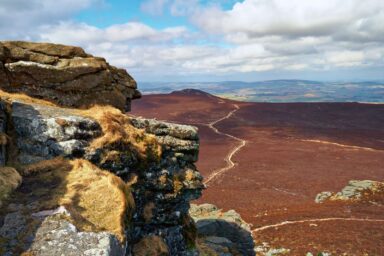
(80, 177)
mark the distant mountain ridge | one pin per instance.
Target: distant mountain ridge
(284, 90)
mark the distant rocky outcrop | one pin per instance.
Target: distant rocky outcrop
(355, 191)
(223, 233)
(65, 75)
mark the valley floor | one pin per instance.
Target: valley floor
(291, 153)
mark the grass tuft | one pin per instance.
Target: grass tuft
(96, 199)
(10, 97)
(118, 132)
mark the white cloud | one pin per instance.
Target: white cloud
(154, 7)
(346, 58)
(21, 19)
(294, 18)
(253, 36)
(83, 34)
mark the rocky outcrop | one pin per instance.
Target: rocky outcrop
(355, 191)
(65, 75)
(60, 151)
(81, 180)
(226, 233)
(162, 194)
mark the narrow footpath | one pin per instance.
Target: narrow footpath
(285, 223)
(228, 159)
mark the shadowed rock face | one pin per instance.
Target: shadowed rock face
(223, 231)
(65, 75)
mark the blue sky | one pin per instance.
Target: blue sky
(192, 40)
(113, 12)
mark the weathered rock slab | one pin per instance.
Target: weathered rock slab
(45, 132)
(161, 128)
(65, 75)
(59, 237)
(180, 140)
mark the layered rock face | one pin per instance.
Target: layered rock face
(65, 75)
(162, 194)
(88, 181)
(162, 187)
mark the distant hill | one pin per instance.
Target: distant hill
(280, 90)
(190, 92)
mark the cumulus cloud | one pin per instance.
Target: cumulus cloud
(294, 18)
(21, 19)
(132, 32)
(299, 34)
(252, 36)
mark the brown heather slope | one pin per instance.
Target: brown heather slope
(293, 152)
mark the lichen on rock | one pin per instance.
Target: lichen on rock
(91, 174)
(59, 237)
(65, 75)
(355, 191)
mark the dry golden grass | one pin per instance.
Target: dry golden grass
(118, 131)
(151, 246)
(10, 97)
(97, 200)
(10, 179)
